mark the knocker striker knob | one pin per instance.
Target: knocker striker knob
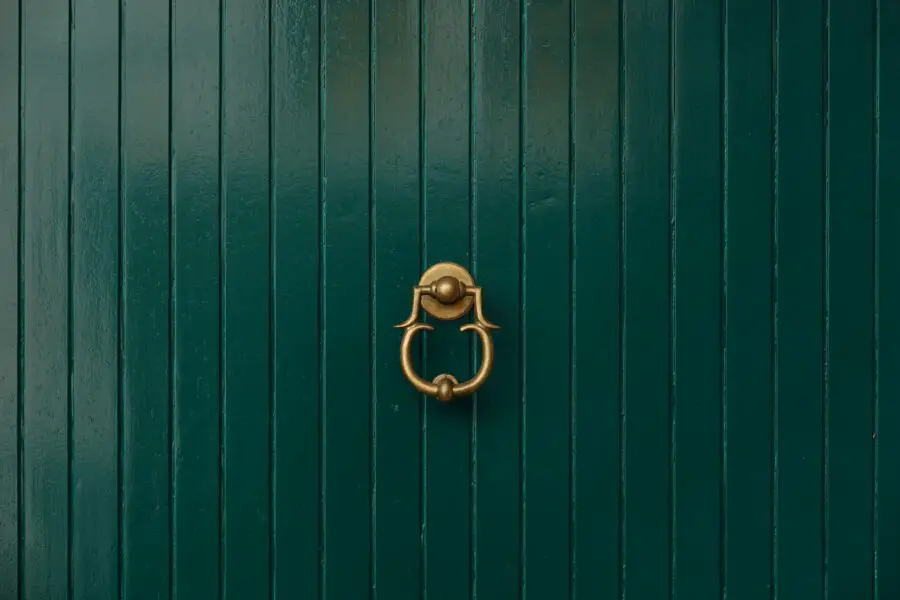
(445, 385)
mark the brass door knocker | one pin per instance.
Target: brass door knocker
(447, 291)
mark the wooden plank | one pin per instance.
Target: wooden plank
(798, 545)
(196, 269)
(547, 280)
(497, 262)
(45, 295)
(197, 310)
(94, 272)
(596, 342)
(246, 297)
(850, 284)
(887, 219)
(145, 370)
(296, 316)
(748, 384)
(10, 210)
(646, 357)
(397, 468)
(697, 288)
(346, 335)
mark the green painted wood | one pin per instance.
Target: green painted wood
(798, 546)
(396, 241)
(748, 301)
(44, 315)
(646, 301)
(94, 303)
(145, 316)
(211, 216)
(887, 274)
(697, 300)
(596, 280)
(196, 268)
(246, 301)
(849, 301)
(10, 209)
(547, 281)
(296, 314)
(497, 263)
(446, 230)
(346, 329)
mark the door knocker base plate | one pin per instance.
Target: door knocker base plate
(435, 308)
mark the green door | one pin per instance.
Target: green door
(684, 215)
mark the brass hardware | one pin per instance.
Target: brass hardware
(447, 291)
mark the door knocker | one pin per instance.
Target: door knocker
(447, 291)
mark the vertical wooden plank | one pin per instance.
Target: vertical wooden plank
(395, 255)
(145, 361)
(596, 293)
(346, 340)
(45, 297)
(850, 308)
(697, 279)
(748, 300)
(646, 297)
(246, 401)
(546, 303)
(446, 183)
(887, 578)
(9, 299)
(94, 269)
(799, 283)
(196, 305)
(497, 262)
(296, 314)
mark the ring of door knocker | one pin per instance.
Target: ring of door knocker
(447, 291)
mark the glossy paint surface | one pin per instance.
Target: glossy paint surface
(684, 217)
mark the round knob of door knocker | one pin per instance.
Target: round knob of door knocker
(447, 291)
(445, 385)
